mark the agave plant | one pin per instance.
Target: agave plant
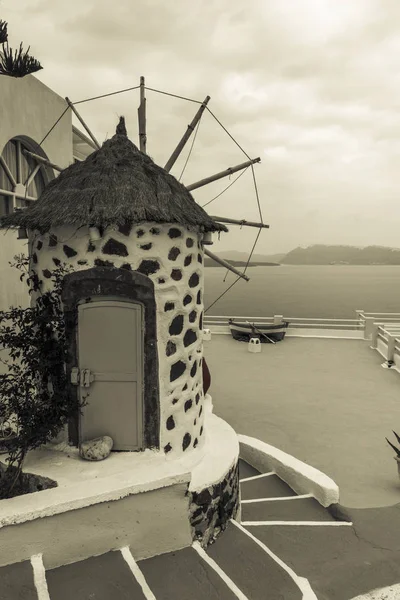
(3, 32)
(397, 450)
(17, 64)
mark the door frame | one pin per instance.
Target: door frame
(122, 285)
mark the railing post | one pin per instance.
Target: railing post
(374, 336)
(278, 319)
(390, 347)
(368, 326)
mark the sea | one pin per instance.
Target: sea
(328, 291)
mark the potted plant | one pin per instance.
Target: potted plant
(397, 450)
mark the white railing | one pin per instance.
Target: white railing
(385, 338)
(211, 321)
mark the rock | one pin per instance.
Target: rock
(97, 449)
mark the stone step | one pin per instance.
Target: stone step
(101, 577)
(184, 575)
(254, 572)
(298, 509)
(17, 583)
(246, 470)
(270, 486)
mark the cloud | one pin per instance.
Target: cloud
(311, 86)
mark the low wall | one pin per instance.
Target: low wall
(150, 523)
(302, 478)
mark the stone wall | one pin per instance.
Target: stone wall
(172, 257)
(211, 509)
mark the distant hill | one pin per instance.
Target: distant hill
(351, 255)
(243, 256)
(209, 262)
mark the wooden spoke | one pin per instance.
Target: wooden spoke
(8, 172)
(186, 136)
(78, 116)
(43, 161)
(240, 222)
(222, 174)
(225, 264)
(32, 176)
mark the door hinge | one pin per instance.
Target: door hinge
(75, 376)
(86, 378)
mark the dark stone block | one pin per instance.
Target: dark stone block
(176, 274)
(193, 372)
(169, 306)
(53, 240)
(195, 422)
(199, 258)
(171, 348)
(197, 513)
(148, 267)
(34, 258)
(189, 243)
(161, 280)
(174, 253)
(187, 438)
(201, 430)
(167, 448)
(198, 300)
(39, 245)
(201, 410)
(146, 246)
(177, 370)
(185, 387)
(47, 273)
(91, 247)
(82, 261)
(170, 423)
(201, 321)
(56, 261)
(188, 260)
(192, 316)
(194, 280)
(174, 233)
(197, 520)
(188, 405)
(201, 528)
(140, 233)
(176, 326)
(155, 231)
(197, 398)
(126, 266)
(68, 251)
(203, 497)
(217, 489)
(190, 338)
(187, 300)
(103, 263)
(196, 441)
(175, 400)
(210, 513)
(125, 229)
(115, 247)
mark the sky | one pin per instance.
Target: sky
(312, 87)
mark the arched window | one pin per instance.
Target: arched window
(22, 178)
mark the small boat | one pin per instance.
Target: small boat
(266, 333)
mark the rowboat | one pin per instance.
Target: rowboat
(267, 333)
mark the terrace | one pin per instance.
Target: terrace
(321, 395)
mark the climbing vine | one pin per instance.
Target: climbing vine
(34, 398)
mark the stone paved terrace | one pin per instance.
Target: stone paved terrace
(328, 402)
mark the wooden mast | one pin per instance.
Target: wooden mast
(190, 128)
(230, 171)
(78, 116)
(242, 222)
(225, 264)
(42, 160)
(142, 117)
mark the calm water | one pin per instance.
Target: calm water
(333, 291)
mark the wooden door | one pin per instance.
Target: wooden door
(110, 345)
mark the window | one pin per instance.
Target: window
(22, 178)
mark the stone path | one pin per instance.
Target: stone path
(286, 547)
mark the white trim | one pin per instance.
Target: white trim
(137, 573)
(254, 500)
(297, 523)
(39, 576)
(231, 585)
(301, 582)
(257, 476)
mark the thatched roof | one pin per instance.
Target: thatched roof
(115, 185)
